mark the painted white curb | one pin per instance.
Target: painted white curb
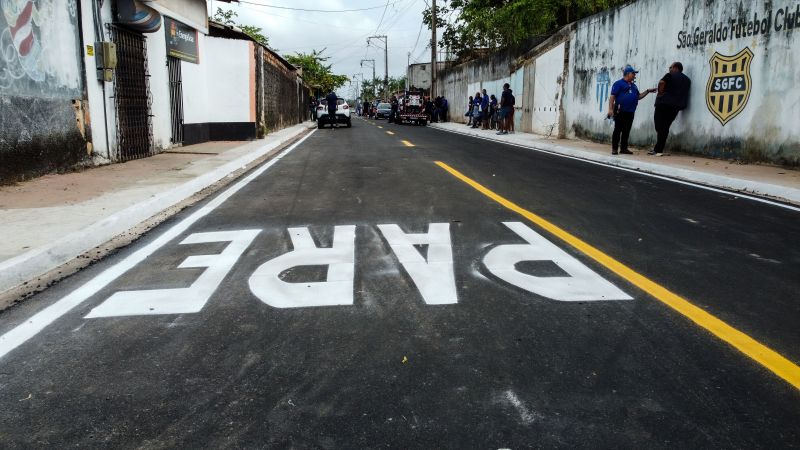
(38, 261)
(782, 193)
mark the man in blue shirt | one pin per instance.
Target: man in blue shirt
(622, 105)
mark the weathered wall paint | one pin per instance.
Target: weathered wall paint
(547, 88)
(651, 34)
(41, 88)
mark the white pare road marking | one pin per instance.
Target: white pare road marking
(266, 284)
(434, 277)
(33, 325)
(183, 300)
(582, 284)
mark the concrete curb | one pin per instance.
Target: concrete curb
(772, 191)
(38, 261)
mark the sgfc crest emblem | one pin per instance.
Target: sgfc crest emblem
(729, 85)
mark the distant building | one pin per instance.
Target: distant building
(419, 75)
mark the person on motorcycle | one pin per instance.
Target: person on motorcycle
(332, 100)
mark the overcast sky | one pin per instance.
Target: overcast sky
(344, 35)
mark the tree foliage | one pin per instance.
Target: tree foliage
(497, 24)
(316, 72)
(227, 18)
(372, 89)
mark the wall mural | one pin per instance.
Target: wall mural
(729, 84)
(602, 87)
(39, 48)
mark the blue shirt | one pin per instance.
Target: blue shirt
(485, 102)
(626, 95)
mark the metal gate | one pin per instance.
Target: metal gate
(176, 98)
(132, 96)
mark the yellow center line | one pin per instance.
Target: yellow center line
(380, 127)
(390, 132)
(407, 144)
(762, 354)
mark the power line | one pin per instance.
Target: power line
(382, 16)
(321, 10)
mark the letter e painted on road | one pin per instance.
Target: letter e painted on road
(433, 276)
(582, 284)
(183, 300)
(267, 285)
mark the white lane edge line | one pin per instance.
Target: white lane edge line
(33, 325)
(648, 174)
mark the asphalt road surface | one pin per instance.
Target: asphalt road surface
(355, 293)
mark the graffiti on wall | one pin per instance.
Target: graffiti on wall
(39, 54)
(729, 85)
(601, 88)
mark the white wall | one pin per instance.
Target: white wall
(547, 80)
(159, 88)
(195, 87)
(229, 64)
(219, 88)
(103, 119)
(645, 34)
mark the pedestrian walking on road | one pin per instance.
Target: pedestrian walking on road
(622, 105)
(395, 105)
(672, 97)
(331, 99)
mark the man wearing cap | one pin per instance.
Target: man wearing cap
(622, 105)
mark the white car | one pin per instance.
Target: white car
(342, 114)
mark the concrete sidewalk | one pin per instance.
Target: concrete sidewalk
(56, 224)
(772, 182)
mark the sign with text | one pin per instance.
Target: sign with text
(182, 42)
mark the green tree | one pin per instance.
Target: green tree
(227, 18)
(316, 72)
(497, 24)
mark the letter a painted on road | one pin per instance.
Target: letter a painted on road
(582, 284)
(266, 284)
(183, 300)
(434, 277)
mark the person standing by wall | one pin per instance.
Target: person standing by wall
(672, 97)
(622, 105)
(477, 113)
(485, 110)
(492, 112)
(506, 108)
(470, 109)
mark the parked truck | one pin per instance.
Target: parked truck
(411, 108)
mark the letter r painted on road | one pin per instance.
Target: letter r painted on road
(183, 300)
(267, 285)
(582, 284)
(433, 276)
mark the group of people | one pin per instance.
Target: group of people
(672, 96)
(486, 112)
(437, 109)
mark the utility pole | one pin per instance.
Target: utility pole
(433, 48)
(385, 40)
(408, 71)
(373, 73)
